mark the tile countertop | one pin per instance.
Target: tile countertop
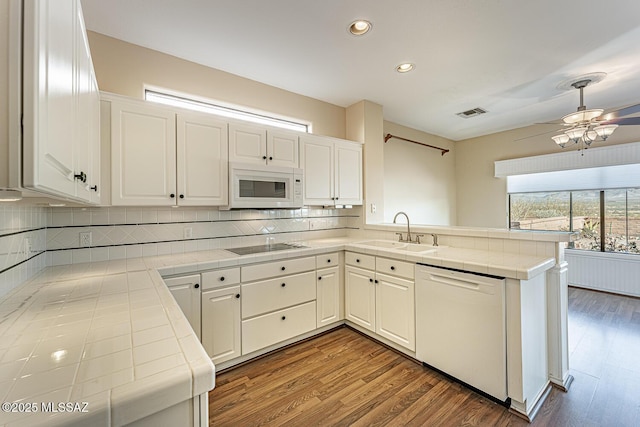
(110, 333)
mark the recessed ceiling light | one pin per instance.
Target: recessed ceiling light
(405, 68)
(359, 27)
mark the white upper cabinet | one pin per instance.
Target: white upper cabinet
(202, 155)
(332, 171)
(316, 160)
(143, 154)
(163, 158)
(282, 148)
(59, 97)
(348, 173)
(259, 145)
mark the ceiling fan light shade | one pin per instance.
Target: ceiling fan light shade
(561, 139)
(582, 116)
(576, 133)
(605, 131)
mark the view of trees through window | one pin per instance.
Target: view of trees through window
(614, 214)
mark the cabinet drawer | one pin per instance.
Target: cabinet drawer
(219, 278)
(395, 267)
(273, 328)
(275, 294)
(277, 268)
(360, 260)
(327, 260)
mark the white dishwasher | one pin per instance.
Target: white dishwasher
(461, 328)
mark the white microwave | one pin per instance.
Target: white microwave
(261, 186)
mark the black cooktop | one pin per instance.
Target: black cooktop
(246, 250)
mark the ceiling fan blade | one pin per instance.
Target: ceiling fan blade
(625, 121)
(622, 112)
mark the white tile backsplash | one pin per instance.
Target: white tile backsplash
(119, 233)
(19, 224)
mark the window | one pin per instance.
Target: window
(220, 110)
(612, 213)
(540, 211)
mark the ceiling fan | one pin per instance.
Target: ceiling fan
(587, 125)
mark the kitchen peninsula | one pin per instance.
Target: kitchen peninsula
(124, 346)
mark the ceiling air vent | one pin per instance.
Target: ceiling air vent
(472, 113)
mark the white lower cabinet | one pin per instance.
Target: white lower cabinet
(186, 291)
(379, 301)
(272, 328)
(239, 311)
(277, 308)
(221, 327)
(221, 323)
(328, 296)
(360, 297)
(273, 294)
(395, 312)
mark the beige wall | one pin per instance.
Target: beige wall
(125, 69)
(364, 124)
(419, 180)
(481, 198)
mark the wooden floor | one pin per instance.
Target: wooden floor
(344, 378)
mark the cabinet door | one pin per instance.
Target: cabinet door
(186, 291)
(328, 296)
(247, 144)
(84, 137)
(94, 176)
(348, 174)
(221, 323)
(360, 297)
(202, 155)
(143, 155)
(49, 96)
(316, 159)
(282, 149)
(395, 310)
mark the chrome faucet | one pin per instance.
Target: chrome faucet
(435, 239)
(408, 227)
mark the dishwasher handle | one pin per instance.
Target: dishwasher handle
(463, 281)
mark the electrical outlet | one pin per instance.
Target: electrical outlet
(85, 239)
(188, 232)
(373, 208)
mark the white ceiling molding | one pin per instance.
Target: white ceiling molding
(621, 154)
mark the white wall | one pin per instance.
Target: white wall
(418, 180)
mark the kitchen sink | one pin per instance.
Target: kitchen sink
(389, 244)
(400, 246)
(414, 247)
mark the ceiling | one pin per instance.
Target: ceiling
(505, 56)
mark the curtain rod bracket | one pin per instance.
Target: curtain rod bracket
(388, 136)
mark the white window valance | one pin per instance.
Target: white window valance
(616, 166)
